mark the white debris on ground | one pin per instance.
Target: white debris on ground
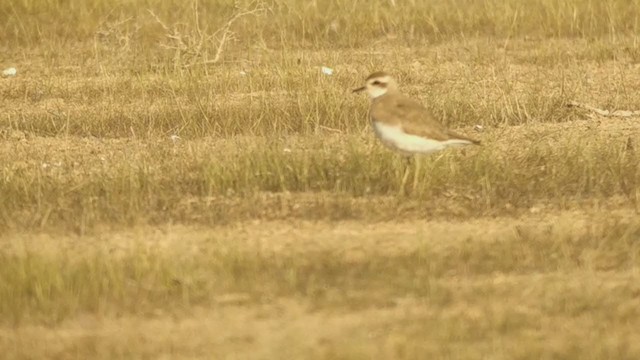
(9, 72)
(327, 70)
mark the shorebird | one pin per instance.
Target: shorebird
(403, 124)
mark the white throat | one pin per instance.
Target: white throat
(375, 91)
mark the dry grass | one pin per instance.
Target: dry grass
(179, 179)
(78, 183)
(562, 285)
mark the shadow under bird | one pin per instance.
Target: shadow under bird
(403, 124)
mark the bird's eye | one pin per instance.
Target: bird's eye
(376, 82)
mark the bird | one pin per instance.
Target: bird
(405, 125)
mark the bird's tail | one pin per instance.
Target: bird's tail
(456, 136)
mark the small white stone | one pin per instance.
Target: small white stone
(327, 70)
(9, 72)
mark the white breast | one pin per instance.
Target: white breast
(395, 137)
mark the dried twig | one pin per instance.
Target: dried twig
(192, 42)
(605, 113)
(330, 129)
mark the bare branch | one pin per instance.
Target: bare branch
(605, 113)
(192, 42)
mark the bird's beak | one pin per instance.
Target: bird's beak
(359, 89)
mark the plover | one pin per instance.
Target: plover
(403, 124)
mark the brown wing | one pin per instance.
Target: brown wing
(414, 118)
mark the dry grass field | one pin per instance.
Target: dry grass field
(179, 180)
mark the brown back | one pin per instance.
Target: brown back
(396, 109)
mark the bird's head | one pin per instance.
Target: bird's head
(378, 84)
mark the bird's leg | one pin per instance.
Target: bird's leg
(405, 177)
(407, 160)
(416, 176)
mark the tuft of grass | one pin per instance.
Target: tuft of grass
(328, 23)
(199, 181)
(274, 95)
(427, 289)
(53, 285)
